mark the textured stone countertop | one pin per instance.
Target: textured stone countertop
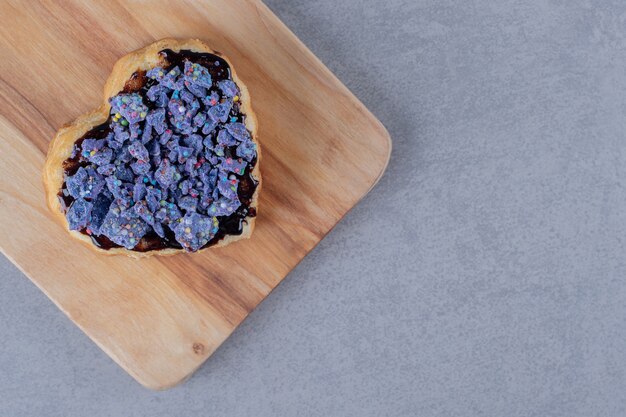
(485, 275)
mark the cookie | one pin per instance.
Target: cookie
(169, 163)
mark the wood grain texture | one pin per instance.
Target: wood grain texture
(161, 318)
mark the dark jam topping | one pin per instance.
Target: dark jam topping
(140, 83)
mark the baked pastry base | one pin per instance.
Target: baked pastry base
(63, 142)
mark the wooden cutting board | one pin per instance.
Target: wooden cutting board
(161, 318)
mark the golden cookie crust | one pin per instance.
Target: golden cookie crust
(62, 144)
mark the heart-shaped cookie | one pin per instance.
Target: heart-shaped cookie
(168, 163)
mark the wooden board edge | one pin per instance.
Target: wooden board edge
(349, 94)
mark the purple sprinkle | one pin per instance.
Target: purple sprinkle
(123, 226)
(89, 145)
(156, 118)
(106, 170)
(236, 165)
(205, 201)
(142, 210)
(211, 100)
(197, 90)
(173, 154)
(86, 183)
(195, 231)
(99, 211)
(173, 80)
(78, 214)
(140, 167)
(146, 136)
(219, 151)
(239, 131)
(154, 165)
(156, 73)
(184, 187)
(101, 157)
(229, 88)
(117, 188)
(194, 141)
(220, 111)
(225, 138)
(187, 97)
(174, 143)
(199, 119)
(224, 207)
(158, 229)
(121, 135)
(247, 150)
(165, 137)
(139, 191)
(197, 74)
(138, 151)
(134, 130)
(190, 166)
(153, 196)
(208, 127)
(188, 203)
(184, 153)
(165, 173)
(129, 106)
(124, 173)
(227, 185)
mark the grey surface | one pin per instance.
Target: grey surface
(484, 276)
